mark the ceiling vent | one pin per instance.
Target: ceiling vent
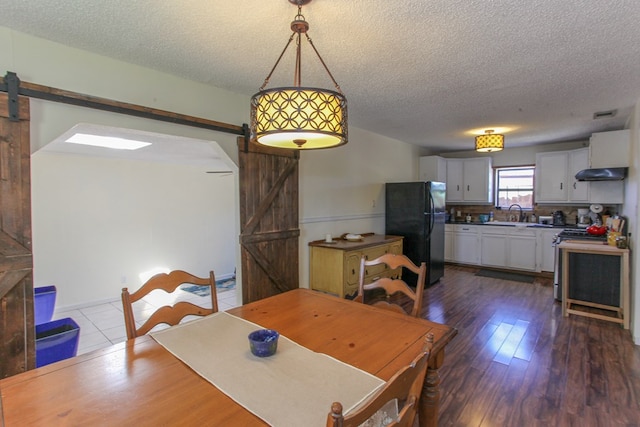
(604, 114)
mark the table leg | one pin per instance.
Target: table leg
(430, 396)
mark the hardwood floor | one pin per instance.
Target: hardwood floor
(517, 362)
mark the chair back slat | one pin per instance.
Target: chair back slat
(393, 286)
(168, 314)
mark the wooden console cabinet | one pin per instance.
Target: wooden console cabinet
(335, 267)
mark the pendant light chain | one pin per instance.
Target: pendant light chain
(266, 80)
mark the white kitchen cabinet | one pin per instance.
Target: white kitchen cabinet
(469, 180)
(610, 149)
(555, 177)
(466, 244)
(578, 190)
(551, 177)
(545, 249)
(448, 243)
(521, 249)
(508, 247)
(433, 168)
(454, 181)
(493, 244)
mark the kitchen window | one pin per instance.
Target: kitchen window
(514, 185)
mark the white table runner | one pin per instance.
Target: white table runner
(293, 388)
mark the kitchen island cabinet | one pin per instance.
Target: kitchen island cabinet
(622, 309)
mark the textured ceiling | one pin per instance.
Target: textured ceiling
(424, 72)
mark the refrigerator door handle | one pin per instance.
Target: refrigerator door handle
(432, 217)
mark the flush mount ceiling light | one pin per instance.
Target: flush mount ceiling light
(489, 142)
(299, 117)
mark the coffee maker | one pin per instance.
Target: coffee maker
(584, 218)
(558, 218)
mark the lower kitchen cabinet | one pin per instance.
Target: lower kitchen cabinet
(335, 267)
(493, 244)
(448, 243)
(508, 247)
(466, 244)
(521, 252)
(545, 249)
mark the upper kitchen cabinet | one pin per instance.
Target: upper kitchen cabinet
(555, 176)
(469, 180)
(610, 149)
(433, 168)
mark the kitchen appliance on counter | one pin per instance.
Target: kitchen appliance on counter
(584, 218)
(558, 218)
(588, 271)
(546, 220)
(416, 211)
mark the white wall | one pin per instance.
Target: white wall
(98, 224)
(337, 186)
(630, 210)
(342, 189)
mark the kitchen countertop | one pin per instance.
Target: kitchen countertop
(513, 224)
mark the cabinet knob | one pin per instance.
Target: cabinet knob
(561, 186)
(574, 185)
(467, 187)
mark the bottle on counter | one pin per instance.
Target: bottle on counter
(533, 217)
(491, 216)
(468, 217)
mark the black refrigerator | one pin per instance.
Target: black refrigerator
(416, 211)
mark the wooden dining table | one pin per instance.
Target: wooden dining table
(139, 382)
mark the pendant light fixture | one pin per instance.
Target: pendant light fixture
(489, 142)
(299, 117)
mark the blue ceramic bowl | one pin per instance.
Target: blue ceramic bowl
(263, 342)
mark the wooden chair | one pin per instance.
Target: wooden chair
(405, 386)
(171, 315)
(392, 286)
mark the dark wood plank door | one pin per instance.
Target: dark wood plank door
(269, 220)
(17, 332)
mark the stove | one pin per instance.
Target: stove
(578, 234)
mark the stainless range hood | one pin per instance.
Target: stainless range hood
(603, 174)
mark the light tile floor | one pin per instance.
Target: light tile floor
(103, 325)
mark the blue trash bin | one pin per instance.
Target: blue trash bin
(56, 340)
(44, 301)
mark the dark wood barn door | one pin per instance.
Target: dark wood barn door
(17, 333)
(269, 220)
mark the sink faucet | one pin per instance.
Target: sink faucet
(520, 216)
